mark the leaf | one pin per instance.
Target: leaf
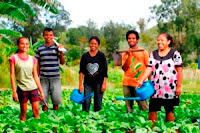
(157, 129)
(22, 5)
(6, 41)
(143, 130)
(38, 43)
(48, 5)
(12, 11)
(1, 60)
(9, 32)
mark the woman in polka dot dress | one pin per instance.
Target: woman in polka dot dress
(165, 67)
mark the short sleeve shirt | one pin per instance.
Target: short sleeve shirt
(136, 68)
(48, 60)
(164, 74)
(24, 71)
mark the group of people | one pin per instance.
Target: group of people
(163, 67)
(36, 73)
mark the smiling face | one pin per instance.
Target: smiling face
(132, 40)
(48, 37)
(93, 45)
(163, 42)
(23, 45)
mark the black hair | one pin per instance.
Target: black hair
(48, 29)
(132, 32)
(96, 38)
(18, 41)
(169, 37)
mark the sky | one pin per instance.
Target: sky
(101, 11)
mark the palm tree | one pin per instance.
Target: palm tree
(18, 11)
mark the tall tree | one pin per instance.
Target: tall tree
(59, 22)
(181, 19)
(142, 24)
(112, 32)
(92, 29)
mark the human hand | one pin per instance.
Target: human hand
(178, 91)
(129, 51)
(103, 87)
(140, 83)
(42, 96)
(15, 96)
(61, 48)
(80, 88)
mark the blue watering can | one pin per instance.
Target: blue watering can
(199, 63)
(144, 92)
(79, 97)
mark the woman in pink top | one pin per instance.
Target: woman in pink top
(165, 68)
(23, 69)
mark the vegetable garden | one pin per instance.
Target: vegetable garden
(112, 117)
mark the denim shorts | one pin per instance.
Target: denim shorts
(24, 96)
(52, 87)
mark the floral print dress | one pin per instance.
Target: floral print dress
(164, 74)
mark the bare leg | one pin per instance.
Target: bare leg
(153, 117)
(35, 109)
(169, 116)
(23, 107)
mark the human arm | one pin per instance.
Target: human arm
(12, 79)
(146, 60)
(105, 74)
(179, 80)
(38, 67)
(178, 66)
(145, 76)
(103, 87)
(37, 56)
(81, 76)
(127, 63)
(37, 81)
(81, 73)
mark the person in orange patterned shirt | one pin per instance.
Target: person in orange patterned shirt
(133, 65)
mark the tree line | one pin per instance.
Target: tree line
(180, 18)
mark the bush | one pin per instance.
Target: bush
(194, 65)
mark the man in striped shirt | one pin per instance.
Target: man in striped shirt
(49, 59)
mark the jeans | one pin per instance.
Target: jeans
(98, 95)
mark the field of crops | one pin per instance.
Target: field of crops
(111, 119)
